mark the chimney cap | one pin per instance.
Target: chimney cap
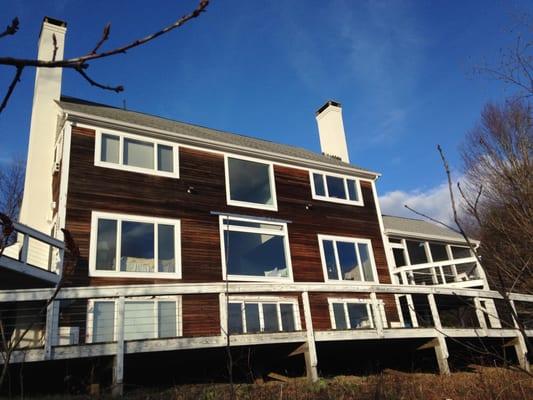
(326, 105)
(55, 21)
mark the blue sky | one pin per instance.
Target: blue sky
(402, 71)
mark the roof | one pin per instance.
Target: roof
(419, 228)
(71, 104)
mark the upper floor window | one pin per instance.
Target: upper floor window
(254, 249)
(347, 259)
(253, 315)
(136, 153)
(139, 247)
(250, 183)
(336, 188)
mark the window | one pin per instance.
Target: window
(438, 252)
(399, 257)
(254, 249)
(144, 318)
(417, 252)
(353, 313)
(250, 183)
(254, 315)
(336, 188)
(461, 252)
(136, 153)
(347, 259)
(142, 247)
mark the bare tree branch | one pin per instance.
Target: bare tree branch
(11, 88)
(11, 29)
(116, 89)
(81, 62)
(103, 39)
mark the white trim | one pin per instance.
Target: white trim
(261, 300)
(89, 335)
(283, 233)
(355, 241)
(345, 301)
(427, 237)
(217, 146)
(272, 183)
(96, 215)
(121, 166)
(326, 197)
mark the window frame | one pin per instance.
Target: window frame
(260, 300)
(372, 315)
(284, 233)
(345, 178)
(240, 203)
(89, 335)
(99, 132)
(368, 242)
(119, 218)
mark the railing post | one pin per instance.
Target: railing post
(412, 312)
(224, 332)
(118, 362)
(311, 360)
(480, 315)
(25, 246)
(51, 328)
(377, 314)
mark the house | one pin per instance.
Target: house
(193, 238)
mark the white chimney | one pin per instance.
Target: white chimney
(36, 209)
(331, 131)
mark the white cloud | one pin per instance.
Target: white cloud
(434, 202)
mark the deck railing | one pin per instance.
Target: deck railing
(31, 248)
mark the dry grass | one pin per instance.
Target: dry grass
(481, 384)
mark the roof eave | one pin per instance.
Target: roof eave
(418, 235)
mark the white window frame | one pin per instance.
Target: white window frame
(356, 241)
(121, 166)
(239, 203)
(369, 309)
(97, 215)
(260, 300)
(89, 336)
(345, 178)
(235, 228)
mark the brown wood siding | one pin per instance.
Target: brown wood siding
(104, 189)
(94, 188)
(391, 311)
(201, 315)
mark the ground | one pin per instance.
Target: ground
(480, 383)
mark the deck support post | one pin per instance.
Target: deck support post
(117, 389)
(440, 346)
(520, 348)
(51, 328)
(311, 360)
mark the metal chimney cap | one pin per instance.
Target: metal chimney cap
(327, 104)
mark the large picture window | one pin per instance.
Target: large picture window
(250, 183)
(144, 318)
(336, 188)
(255, 249)
(254, 315)
(347, 259)
(124, 245)
(136, 153)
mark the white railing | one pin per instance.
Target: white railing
(31, 248)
